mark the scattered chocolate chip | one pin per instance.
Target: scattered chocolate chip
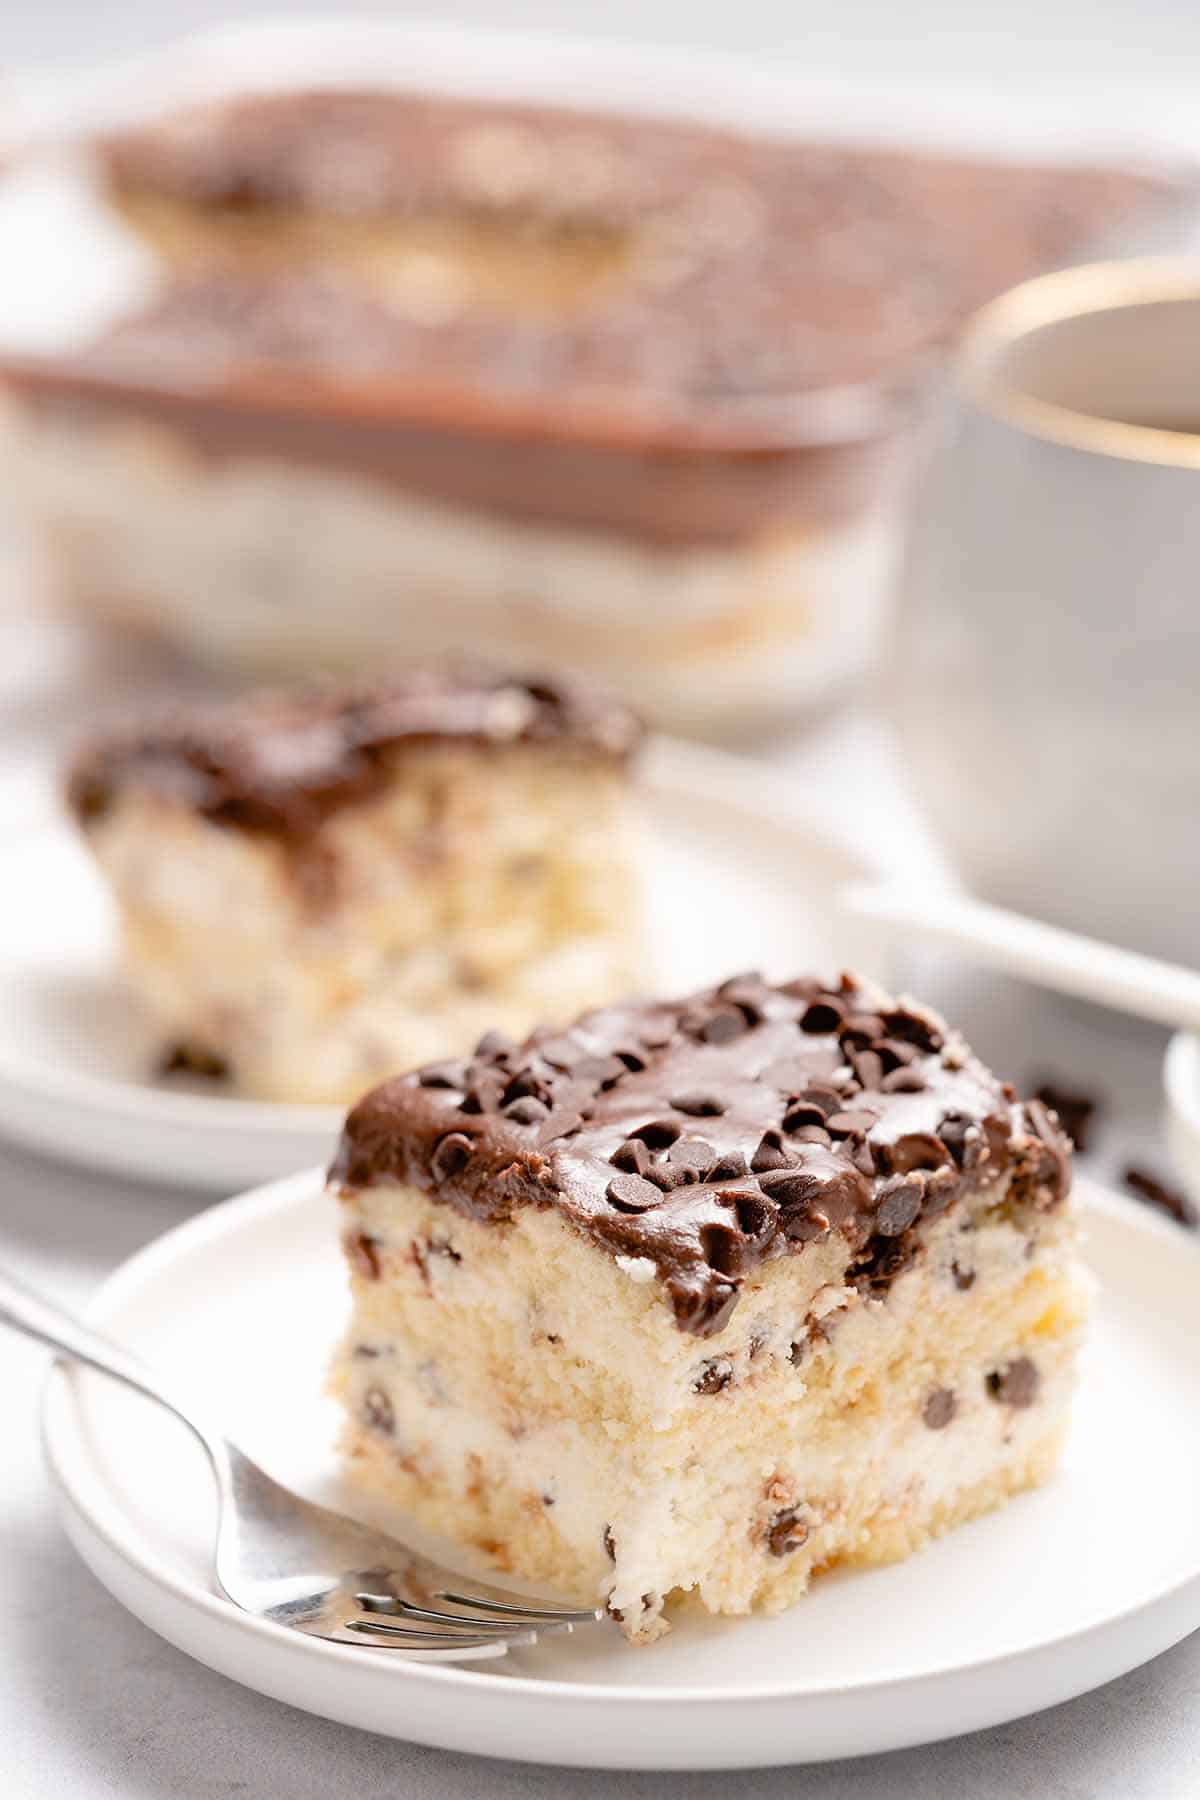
(494, 1046)
(800, 1113)
(867, 1026)
(631, 1194)
(756, 1216)
(632, 1156)
(603, 1071)
(825, 1098)
(808, 1134)
(964, 1279)
(365, 1352)
(911, 1028)
(786, 1532)
(861, 1155)
(361, 1254)
(522, 1083)
(193, 1059)
(450, 1156)
(868, 1066)
(692, 1156)
(562, 1052)
(1014, 1385)
(894, 1052)
(702, 1306)
(939, 1409)
(903, 1081)
(915, 1150)
(1075, 1112)
(377, 1411)
(791, 1187)
(610, 1544)
(657, 1134)
(729, 1167)
(797, 1351)
(527, 1111)
(443, 1075)
(723, 1025)
(723, 1248)
(821, 1018)
(484, 1091)
(849, 1124)
(1168, 1199)
(699, 1106)
(749, 993)
(561, 1124)
(963, 1138)
(770, 1153)
(547, 1499)
(634, 1061)
(899, 1203)
(656, 1032)
(713, 1375)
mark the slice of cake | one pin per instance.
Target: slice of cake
(703, 1297)
(315, 891)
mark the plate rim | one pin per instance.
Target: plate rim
(63, 1410)
(668, 767)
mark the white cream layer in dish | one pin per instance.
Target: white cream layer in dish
(276, 569)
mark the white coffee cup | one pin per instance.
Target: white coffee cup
(1045, 668)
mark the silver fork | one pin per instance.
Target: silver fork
(300, 1565)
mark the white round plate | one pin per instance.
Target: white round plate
(1058, 1592)
(735, 878)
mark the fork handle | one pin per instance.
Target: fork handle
(39, 1318)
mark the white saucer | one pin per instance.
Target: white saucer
(736, 878)
(1060, 1591)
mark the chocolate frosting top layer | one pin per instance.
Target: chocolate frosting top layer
(749, 269)
(281, 763)
(711, 1133)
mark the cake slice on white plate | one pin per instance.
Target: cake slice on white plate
(315, 890)
(701, 1297)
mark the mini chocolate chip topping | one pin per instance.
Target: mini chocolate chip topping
(280, 764)
(700, 1151)
(1075, 1112)
(939, 1409)
(786, 1532)
(1171, 1200)
(1016, 1384)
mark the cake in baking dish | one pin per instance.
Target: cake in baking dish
(317, 890)
(700, 1298)
(581, 388)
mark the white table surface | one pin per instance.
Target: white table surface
(92, 1705)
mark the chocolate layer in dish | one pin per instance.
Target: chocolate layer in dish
(727, 265)
(711, 1134)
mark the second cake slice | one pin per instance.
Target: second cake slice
(317, 890)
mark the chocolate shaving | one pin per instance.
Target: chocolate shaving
(1173, 1201)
